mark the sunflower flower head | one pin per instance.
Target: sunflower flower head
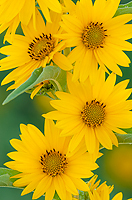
(46, 165)
(93, 111)
(38, 47)
(97, 36)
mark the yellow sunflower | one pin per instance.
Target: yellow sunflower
(12, 12)
(37, 48)
(98, 37)
(93, 111)
(46, 165)
(101, 192)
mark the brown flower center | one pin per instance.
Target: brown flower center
(41, 46)
(53, 163)
(93, 114)
(93, 35)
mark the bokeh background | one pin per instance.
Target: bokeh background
(115, 166)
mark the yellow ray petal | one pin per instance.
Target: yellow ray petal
(17, 144)
(76, 139)
(117, 21)
(70, 98)
(37, 136)
(85, 11)
(50, 192)
(109, 83)
(126, 46)
(76, 53)
(119, 56)
(73, 23)
(80, 184)
(42, 186)
(110, 9)
(70, 187)
(122, 121)
(49, 131)
(62, 61)
(90, 139)
(118, 196)
(45, 10)
(9, 10)
(70, 130)
(31, 186)
(60, 187)
(72, 121)
(35, 91)
(112, 136)
(60, 105)
(78, 172)
(56, 115)
(103, 137)
(86, 65)
(98, 9)
(109, 61)
(53, 5)
(26, 12)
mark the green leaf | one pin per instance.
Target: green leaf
(7, 181)
(5, 175)
(55, 75)
(124, 9)
(124, 138)
(128, 130)
(22, 88)
(56, 197)
(83, 195)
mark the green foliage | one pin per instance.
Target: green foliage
(124, 9)
(55, 75)
(83, 195)
(5, 175)
(124, 138)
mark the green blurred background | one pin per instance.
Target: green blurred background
(115, 166)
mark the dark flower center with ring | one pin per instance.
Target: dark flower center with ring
(53, 163)
(41, 47)
(93, 35)
(93, 113)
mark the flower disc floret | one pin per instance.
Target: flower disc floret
(93, 35)
(93, 113)
(53, 163)
(41, 47)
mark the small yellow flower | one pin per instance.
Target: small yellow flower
(37, 48)
(93, 111)
(46, 85)
(101, 192)
(92, 185)
(12, 12)
(97, 36)
(46, 165)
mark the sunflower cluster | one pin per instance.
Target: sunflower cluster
(86, 40)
